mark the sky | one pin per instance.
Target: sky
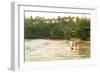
(53, 15)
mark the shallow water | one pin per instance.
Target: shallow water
(34, 43)
(45, 49)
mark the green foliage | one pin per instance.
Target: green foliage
(57, 33)
(57, 28)
(84, 29)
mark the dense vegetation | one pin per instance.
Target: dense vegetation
(57, 28)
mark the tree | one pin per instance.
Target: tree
(84, 29)
(57, 28)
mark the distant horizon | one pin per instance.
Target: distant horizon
(54, 15)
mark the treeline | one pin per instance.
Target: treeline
(57, 28)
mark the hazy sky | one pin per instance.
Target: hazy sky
(53, 15)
